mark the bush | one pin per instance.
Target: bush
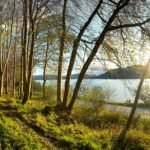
(137, 140)
(99, 118)
(94, 95)
(37, 87)
(51, 92)
(145, 94)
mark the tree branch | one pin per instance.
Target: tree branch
(128, 25)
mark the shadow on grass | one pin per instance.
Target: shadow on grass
(11, 112)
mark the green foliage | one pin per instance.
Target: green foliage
(137, 140)
(141, 124)
(99, 118)
(51, 92)
(145, 94)
(87, 128)
(95, 95)
(37, 87)
(10, 137)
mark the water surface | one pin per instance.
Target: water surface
(122, 89)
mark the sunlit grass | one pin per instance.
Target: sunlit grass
(87, 128)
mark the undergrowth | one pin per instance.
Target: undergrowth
(85, 129)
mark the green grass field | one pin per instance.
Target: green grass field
(37, 126)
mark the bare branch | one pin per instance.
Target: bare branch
(128, 25)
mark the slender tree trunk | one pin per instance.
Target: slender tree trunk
(14, 73)
(1, 84)
(24, 47)
(26, 76)
(6, 80)
(132, 113)
(44, 81)
(1, 67)
(44, 68)
(30, 64)
(27, 87)
(60, 63)
(31, 89)
(14, 65)
(21, 79)
(74, 53)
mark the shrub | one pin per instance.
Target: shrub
(51, 92)
(99, 118)
(37, 87)
(145, 94)
(94, 95)
(137, 140)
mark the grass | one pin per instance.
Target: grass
(37, 126)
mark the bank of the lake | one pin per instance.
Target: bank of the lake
(141, 110)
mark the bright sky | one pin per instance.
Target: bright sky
(139, 56)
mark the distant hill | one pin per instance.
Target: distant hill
(131, 72)
(48, 77)
(54, 77)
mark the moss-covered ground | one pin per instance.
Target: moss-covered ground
(37, 126)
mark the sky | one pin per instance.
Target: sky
(96, 66)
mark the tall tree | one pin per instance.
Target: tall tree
(74, 53)
(62, 46)
(132, 113)
(6, 41)
(117, 9)
(32, 13)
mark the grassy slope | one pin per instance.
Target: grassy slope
(33, 127)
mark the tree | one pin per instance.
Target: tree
(131, 116)
(62, 46)
(32, 13)
(118, 9)
(6, 41)
(74, 53)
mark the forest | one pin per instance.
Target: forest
(59, 38)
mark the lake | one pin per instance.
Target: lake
(122, 89)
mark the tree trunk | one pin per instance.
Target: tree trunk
(132, 113)
(44, 68)
(6, 80)
(31, 89)
(74, 53)
(27, 87)
(14, 65)
(26, 93)
(14, 74)
(44, 81)
(93, 53)
(21, 79)
(1, 84)
(24, 49)
(60, 62)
